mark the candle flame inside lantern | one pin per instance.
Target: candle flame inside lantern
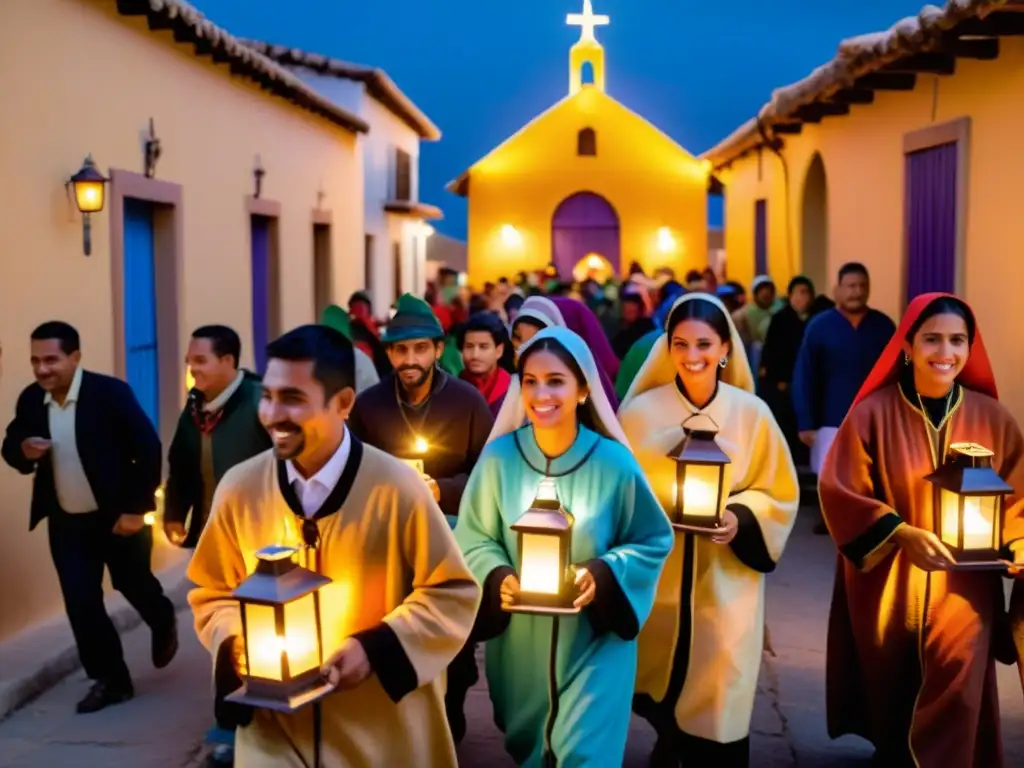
(420, 445)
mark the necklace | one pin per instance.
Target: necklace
(401, 410)
(945, 408)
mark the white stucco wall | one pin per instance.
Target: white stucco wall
(387, 134)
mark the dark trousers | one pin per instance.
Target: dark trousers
(81, 546)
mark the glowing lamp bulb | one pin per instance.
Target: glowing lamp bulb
(510, 236)
(666, 242)
(420, 445)
(149, 518)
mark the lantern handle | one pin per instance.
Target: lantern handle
(695, 415)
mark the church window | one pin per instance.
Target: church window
(586, 142)
(587, 73)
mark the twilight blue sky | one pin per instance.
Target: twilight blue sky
(483, 68)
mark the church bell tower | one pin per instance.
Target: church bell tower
(586, 50)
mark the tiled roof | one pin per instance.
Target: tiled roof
(190, 26)
(378, 84)
(856, 58)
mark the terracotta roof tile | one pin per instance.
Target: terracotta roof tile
(378, 84)
(190, 26)
(855, 58)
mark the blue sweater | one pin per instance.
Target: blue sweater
(834, 360)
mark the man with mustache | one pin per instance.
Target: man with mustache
(422, 414)
(401, 601)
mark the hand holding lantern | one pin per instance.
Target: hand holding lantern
(546, 583)
(699, 490)
(281, 633)
(968, 507)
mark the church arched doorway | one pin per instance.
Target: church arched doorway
(584, 225)
(814, 229)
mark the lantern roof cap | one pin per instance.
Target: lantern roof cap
(278, 578)
(543, 520)
(88, 172)
(968, 470)
(699, 447)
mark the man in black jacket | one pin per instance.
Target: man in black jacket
(97, 464)
(219, 428)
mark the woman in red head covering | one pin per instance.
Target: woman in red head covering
(911, 638)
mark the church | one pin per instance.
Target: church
(587, 186)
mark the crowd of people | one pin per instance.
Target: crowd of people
(583, 389)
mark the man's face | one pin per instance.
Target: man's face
(211, 373)
(630, 312)
(414, 359)
(764, 295)
(480, 353)
(800, 298)
(852, 292)
(293, 409)
(52, 368)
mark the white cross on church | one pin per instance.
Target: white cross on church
(587, 20)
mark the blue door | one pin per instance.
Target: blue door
(761, 237)
(260, 228)
(140, 337)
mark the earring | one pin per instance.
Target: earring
(906, 359)
(583, 401)
(723, 362)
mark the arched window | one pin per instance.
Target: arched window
(586, 142)
(587, 73)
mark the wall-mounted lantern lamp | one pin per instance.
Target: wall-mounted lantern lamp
(258, 172)
(89, 186)
(151, 151)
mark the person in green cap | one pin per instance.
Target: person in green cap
(423, 414)
(366, 374)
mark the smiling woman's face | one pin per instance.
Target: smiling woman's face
(696, 349)
(550, 391)
(939, 352)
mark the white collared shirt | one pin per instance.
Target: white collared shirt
(73, 490)
(312, 493)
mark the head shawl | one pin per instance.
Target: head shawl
(659, 368)
(977, 373)
(512, 415)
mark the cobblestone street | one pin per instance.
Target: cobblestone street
(163, 726)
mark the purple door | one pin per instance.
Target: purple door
(930, 220)
(584, 223)
(260, 229)
(761, 237)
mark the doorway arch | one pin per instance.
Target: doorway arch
(814, 225)
(584, 224)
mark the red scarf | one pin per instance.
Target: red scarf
(976, 375)
(492, 386)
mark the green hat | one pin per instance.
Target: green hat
(337, 318)
(414, 319)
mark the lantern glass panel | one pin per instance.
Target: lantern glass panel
(303, 643)
(541, 570)
(263, 647)
(979, 516)
(700, 484)
(89, 196)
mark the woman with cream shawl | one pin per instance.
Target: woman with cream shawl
(539, 312)
(700, 651)
(912, 642)
(556, 423)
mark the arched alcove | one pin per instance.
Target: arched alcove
(586, 142)
(814, 224)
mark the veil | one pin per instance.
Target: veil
(543, 310)
(659, 369)
(512, 415)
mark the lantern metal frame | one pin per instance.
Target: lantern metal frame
(967, 472)
(419, 450)
(698, 448)
(278, 581)
(547, 517)
(89, 173)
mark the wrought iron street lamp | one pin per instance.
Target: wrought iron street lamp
(89, 187)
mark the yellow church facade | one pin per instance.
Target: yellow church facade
(587, 184)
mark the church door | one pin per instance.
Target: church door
(584, 224)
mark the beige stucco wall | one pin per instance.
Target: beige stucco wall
(863, 158)
(79, 79)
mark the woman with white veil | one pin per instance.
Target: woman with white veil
(700, 651)
(556, 425)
